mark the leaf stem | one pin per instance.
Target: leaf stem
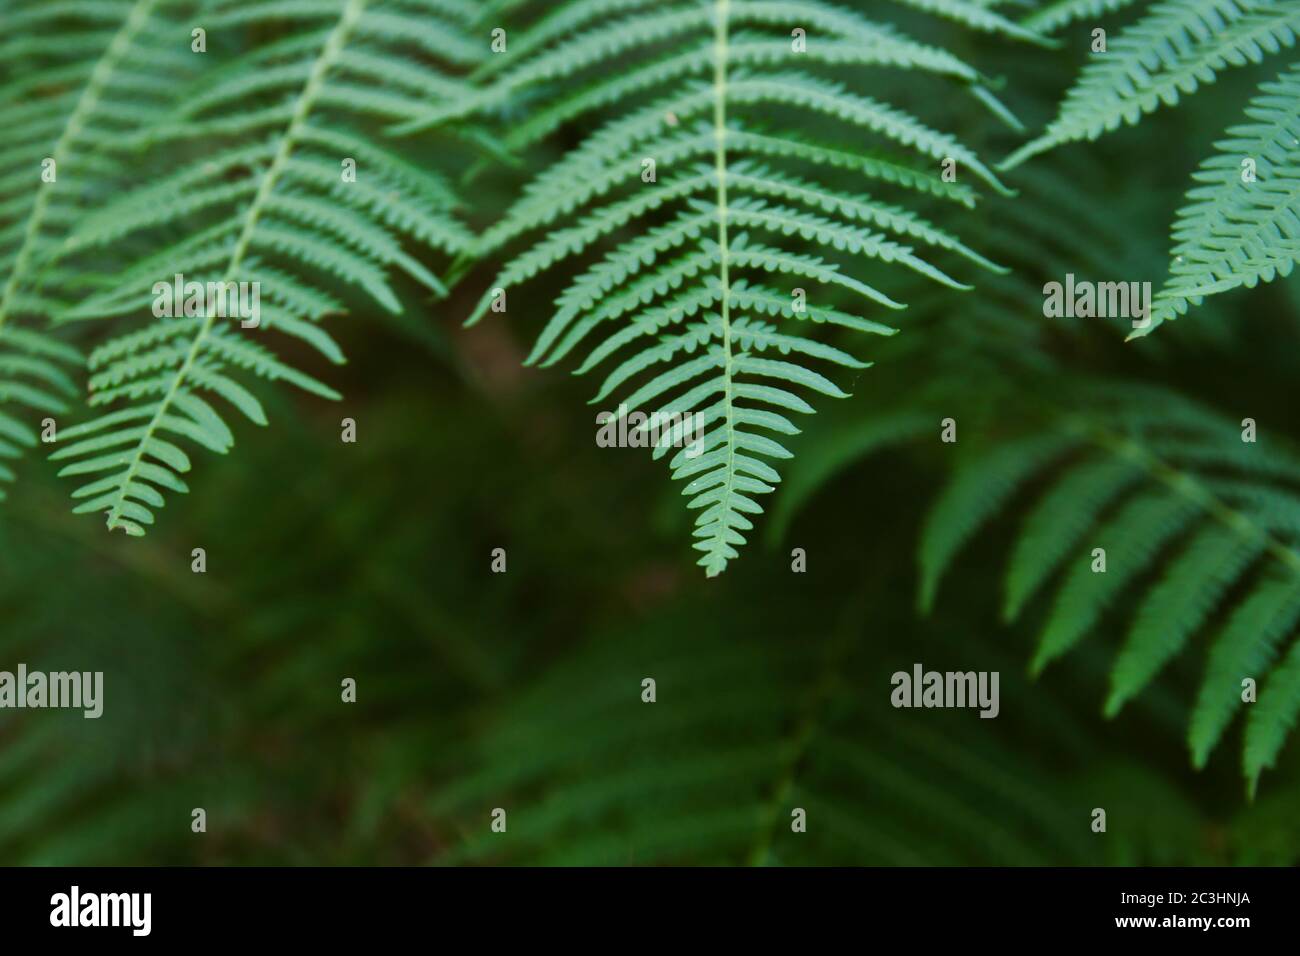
(721, 13)
(1186, 485)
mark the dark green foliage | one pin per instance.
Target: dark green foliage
(1187, 514)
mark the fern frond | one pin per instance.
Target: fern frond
(84, 75)
(32, 377)
(288, 222)
(977, 492)
(571, 765)
(1178, 47)
(682, 267)
(846, 39)
(1248, 644)
(1158, 484)
(1240, 229)
(1273, 717)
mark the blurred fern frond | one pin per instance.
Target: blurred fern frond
(524, 693)
(685, 221)
(784, 753)
(259, 199)
(1150, 493)
(77, 79)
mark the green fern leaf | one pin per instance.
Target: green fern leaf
(1057, 525)
(83, 76)
(683, 263)
(1179, 46)
(1240, 226)
(725, 797)
(1178, 606)
(286, 221)
(1240, 230)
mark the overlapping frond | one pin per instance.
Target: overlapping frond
(1150, 494)
(705, 237)
(743, 732)
(741, 741)
(1179, 46)
(1239, 227)
(284, 203)
(78, 78)
(1242, 226)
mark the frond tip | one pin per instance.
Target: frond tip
(1242, 223)
(81, 77)
(1242, 226)
(284, 225)
(715, 244)
(34, 376)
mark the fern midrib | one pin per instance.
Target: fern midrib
(1186, 485)
(86, 104)
(334, 44)
(722, 12)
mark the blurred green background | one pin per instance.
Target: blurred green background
(522, 690)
